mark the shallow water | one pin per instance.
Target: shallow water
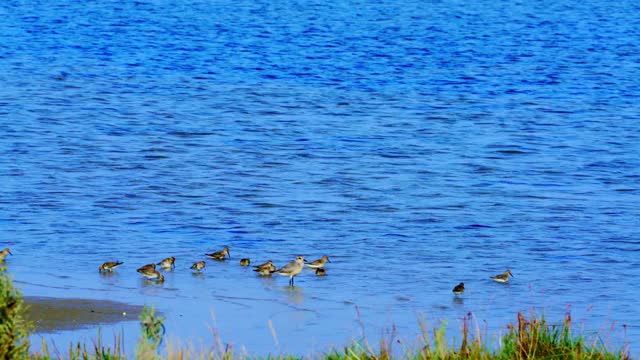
(418, 144)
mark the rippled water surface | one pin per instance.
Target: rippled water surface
(418, 144)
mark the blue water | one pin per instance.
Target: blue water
(418, 144)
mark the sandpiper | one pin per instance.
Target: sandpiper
(151, 274)
(167, 263)
(220, 255)
(198, 266)
(318, 264)
(458, 289)
(502, 278)
(146, 267)
(109, 266)
(245, 262)
(292, 269)
(4, 253)
(268, 264)
(265, 269)
(321, 272)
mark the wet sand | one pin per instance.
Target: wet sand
(54, 314)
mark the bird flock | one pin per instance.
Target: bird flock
(292, 269)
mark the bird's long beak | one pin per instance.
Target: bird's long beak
(10, 252)
(229, 254)
(328, 260)
(305, 260)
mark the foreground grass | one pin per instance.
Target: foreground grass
(528, 338)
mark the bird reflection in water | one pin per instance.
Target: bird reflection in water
(294, 294)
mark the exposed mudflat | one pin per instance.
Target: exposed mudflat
(54, 314)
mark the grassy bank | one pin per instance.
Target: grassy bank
(528, 338)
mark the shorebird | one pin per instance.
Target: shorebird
(318, 264)
(146, 267)
(245, 262)
(321, 272)
(108, 266)
(268, 264)
(458, 289)
(151, 274)
(265, 269)
(292, 269)
(198, 266)
(502, 278)
(220, 255)
(167, 263)
(4, 253)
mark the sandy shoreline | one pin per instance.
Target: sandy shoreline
(54, 314)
